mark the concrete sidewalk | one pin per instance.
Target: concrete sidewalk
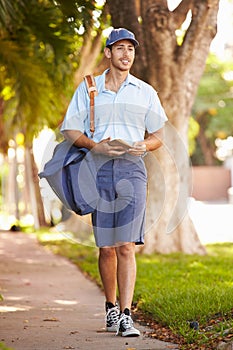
(49, 304)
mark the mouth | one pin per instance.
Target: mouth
(125, 62)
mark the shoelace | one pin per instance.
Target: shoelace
(112, 315)
(126, 321)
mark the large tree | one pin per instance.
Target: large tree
(174, 66)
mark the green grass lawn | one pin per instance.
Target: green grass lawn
(174, 290)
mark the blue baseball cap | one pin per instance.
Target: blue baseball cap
(121, 34)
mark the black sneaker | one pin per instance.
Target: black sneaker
(125, 325)
(112, 317)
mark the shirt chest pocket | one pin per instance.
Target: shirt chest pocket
(134, 115)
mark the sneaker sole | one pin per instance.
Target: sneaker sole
(111, 329)
(126, 334)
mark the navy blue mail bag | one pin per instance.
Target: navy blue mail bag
(71, 173)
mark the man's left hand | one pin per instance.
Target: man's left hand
(138, 149)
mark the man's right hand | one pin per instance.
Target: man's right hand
(104, 147)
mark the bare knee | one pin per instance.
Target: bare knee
(107, 253)
(125, 250)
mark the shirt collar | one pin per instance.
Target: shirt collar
(129, 80)
(132, 80)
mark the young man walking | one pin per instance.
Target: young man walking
(125, 108)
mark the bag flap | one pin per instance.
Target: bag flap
(64, 154)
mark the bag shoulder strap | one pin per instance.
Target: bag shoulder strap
(92, 92)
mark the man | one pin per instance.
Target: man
(125, 109)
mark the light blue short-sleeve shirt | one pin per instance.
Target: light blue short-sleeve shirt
(125, 115)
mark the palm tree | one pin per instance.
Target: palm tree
(34, 60)
(35, 43)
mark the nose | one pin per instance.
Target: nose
(126, 51)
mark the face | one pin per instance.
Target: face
(122, 55)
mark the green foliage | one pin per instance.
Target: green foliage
(79, 13)
(213, 107)
(173, 289)
(31, 98)
(192, 134)
(35, 41)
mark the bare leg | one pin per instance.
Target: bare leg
(126, 274)
(108, 271)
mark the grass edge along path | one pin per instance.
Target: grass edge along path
(186, 299)
(4, 347)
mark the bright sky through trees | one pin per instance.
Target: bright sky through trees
(225, 26)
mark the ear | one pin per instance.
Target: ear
(107, 52)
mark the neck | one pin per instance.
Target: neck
(114, 79)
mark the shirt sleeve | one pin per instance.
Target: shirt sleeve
(156, 116)
(76, 117)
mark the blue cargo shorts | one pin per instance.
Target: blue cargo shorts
(120, 213)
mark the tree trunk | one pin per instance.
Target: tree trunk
(31, 188)
(174, 70)
(36, 201)
(206, 148)
(205, 145)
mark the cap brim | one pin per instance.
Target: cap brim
(134, 41)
